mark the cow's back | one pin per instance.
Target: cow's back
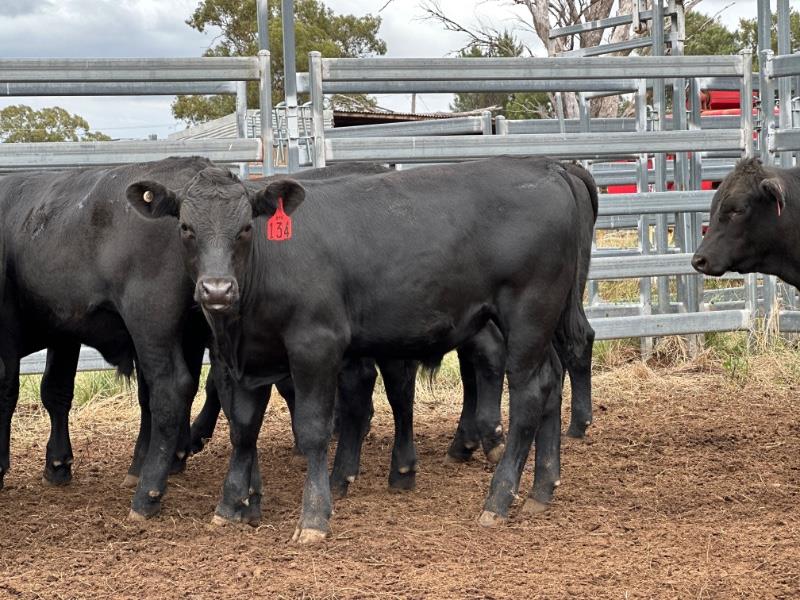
(393, 246)
(77, 249)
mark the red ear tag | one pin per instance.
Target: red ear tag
(279, 225)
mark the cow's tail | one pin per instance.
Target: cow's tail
(585, 176)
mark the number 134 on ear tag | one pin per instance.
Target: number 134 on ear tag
(279, 225)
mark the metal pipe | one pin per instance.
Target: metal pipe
(643, 226)
(262, 17)
(317, 107)
(659, 113)
(241, 122)
(265, 101)
(785, 83)
(290, 85)
(486, 122)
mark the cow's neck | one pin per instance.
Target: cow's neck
(788, 234)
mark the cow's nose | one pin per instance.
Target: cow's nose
(216, 293)
(700, 263)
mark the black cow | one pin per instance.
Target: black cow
(79, 266)
(481, 362)
(755, 224)
(405, 265)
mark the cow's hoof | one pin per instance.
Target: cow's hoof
(403, 481)
(339, 488)
(576, 430)
(178, 465)
(130, 481)
(136, 517)
(57, 475)
(220, 521)
(198, 444)
(533, 507)
(308, 537)
(491, 519)
(246, 512)
(495, 454)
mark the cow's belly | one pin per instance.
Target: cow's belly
(403, 332)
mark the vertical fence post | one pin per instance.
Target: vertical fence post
(241, 122)
(290, 86)
(317, 107)
(695, 183)
(751, 280)
(767, 104)
(262, 17)
(766, 121)
(265, 101)
(585, 127)
(784, 83)
(486, 122)
(642, 185)
(659, 113)
(501, 125)
(685, 232)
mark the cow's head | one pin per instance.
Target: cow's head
(745, 218)
(214, 214)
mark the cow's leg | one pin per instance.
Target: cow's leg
(193, 350)
(206, 421)
(400, 377)
(241, 492)
(547, 473)
(143, 438)
(9, 394)
(466, 439)
(577, 359)
(285, 388)
(482, 362)
(534, 371)
(315, 368)
(488, 355)
(170, 386)
(356, 384)
(57, 390)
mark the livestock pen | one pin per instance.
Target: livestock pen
(687, 483)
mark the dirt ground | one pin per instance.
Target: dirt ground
(686, 487)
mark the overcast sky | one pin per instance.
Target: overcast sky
(150, 28)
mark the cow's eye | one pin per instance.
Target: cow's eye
(245, 231)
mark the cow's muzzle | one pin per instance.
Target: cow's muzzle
(217, 294)
(701, 263)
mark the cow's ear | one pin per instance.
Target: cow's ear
(265, 202)
(153, 200)
(773, 188)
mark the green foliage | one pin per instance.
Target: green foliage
(514, 106)
(21, 123)
(706, 35)
(316, 28)
(747, 35)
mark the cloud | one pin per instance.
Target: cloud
(16, 8)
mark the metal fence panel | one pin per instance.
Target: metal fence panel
(85, 70)
(70, 154)
(554, 68)
(438, 148)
